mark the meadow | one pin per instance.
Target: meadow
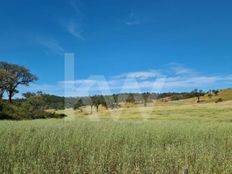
(176, 137)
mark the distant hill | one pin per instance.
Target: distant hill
(225, 95)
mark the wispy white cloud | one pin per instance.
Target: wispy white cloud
(73, 23)
(180, 70)
(74, 29)
(132, 19)
(141, 75)
(52, 45)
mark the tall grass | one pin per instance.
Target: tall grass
(56, 146)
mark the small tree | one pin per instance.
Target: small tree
(16, 76)
(78, 104)
(115, 98)
(95, 102)
(210, 95)
(146, 98)
(105, 101)
(130, 99)
(28, 95)
(197, 93)
(35, 103)
(215, 92)
(91, 106)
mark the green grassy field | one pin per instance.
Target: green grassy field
(175, 136)
(55, 146)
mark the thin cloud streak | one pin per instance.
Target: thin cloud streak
(75, 30)
(52, 45)
(142, 75)
(74, 26)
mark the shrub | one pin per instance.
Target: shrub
(8, 111)
(219, 100)
(4, 116)
(25, 110)
(177, 97)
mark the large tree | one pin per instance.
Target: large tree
(15, 76)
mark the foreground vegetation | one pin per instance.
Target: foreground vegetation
(80, 146)
(178, 136)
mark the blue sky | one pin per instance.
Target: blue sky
(176, 45)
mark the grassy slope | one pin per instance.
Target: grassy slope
(225, 94)
(187, 109)
(182, 134)
(56, 146)
(162, 111)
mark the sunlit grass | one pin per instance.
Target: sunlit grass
(161, 111)
(58, 146)
(162, 138)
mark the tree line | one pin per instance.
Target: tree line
(110, 101)
(113, 101)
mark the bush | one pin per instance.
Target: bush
(8, 111)
(177, 97)
(25, 110)
(219, 100)
(4, 116)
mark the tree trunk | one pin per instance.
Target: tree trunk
(91, 109)
(198, 99)
(145, 103)
(10, 96)
(1, 94)
(97, 108)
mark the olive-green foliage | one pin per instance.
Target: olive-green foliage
(79, 104)
(56, 146)
(49, 101)
(130, 98)
(31, 108)
(12, 76)
(219, 100)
